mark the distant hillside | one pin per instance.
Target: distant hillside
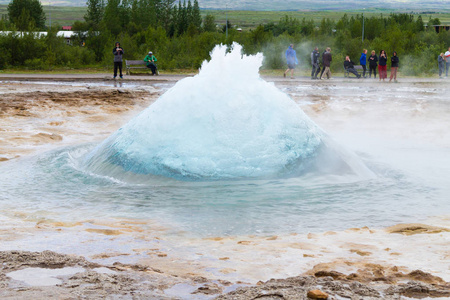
(404, 5)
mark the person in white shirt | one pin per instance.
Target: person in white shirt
(447, 59)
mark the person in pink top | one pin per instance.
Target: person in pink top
(447, 59)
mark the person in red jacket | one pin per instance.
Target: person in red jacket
(394, 67)
(382, 65)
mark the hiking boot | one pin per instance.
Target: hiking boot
(121, 77)
(284, 75)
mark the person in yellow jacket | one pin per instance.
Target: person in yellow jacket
(150, 59)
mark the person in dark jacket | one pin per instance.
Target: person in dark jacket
(394, 67)
(327, 58)
(350, 66)
(118, 52)
(373, 63)
(321, 60)
(315, 63)
(382, 65)
(362, 61)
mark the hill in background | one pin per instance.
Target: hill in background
(404, 5)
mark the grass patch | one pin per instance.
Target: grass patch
(246, 19)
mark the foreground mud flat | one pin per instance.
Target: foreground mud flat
(405, 261)
(87, 280)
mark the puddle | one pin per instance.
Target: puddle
(42, 276)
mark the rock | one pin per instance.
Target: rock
(410, 229)
(419, 290)
(333, 274)
(317, 294)
(419, 275)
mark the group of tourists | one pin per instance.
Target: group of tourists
(374, 62)
(326, 63)
(149, 59)
(378, 62)
(444, 63)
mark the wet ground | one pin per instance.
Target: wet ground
(137, 259)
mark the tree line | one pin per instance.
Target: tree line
(182, 39)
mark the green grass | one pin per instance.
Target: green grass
(67, 15)
(251, 19)
(62, 15)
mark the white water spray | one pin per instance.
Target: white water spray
(226, 122)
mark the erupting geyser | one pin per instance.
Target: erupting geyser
(225, 122)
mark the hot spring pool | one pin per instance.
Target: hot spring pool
(392, 141)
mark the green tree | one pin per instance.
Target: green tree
(189, 11)
(196, 17)
(144, 13)
(209, 23)
(117, 16)
(167, 15)
(94, 13)
(420, 24)
(326, 27)
(182, 18)
(25, 22)
(26, 11)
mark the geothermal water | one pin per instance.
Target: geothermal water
(225, 123)
(227, 153)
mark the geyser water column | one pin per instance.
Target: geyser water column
(225, 122)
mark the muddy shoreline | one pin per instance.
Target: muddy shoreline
(35, 118)
(134, 281)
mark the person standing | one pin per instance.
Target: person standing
(118, 52)
(362, 62)
(327, 58)
(150, 59)
(447, 59)
(441, 64)
(323, 67)
(291, 59)
(382, 68)
(315, 63)
(373, 63)
(394, 67)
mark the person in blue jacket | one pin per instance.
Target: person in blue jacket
(291, 59)
(362, 62)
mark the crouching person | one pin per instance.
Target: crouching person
(350, 67)
(150, 59)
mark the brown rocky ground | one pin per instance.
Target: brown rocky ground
(33, 116)
(128, 281)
